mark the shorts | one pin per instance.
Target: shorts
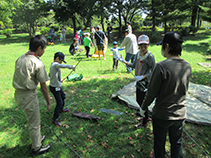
(100, 47)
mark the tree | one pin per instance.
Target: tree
(70, 9)
(7, 7)
(28, 13)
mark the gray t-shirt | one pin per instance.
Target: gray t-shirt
(169, 85)
(55, 73)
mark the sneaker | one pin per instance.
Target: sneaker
(56, 122)
(64, 110)
(42, 150)
(104, 58)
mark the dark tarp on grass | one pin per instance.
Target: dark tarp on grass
(198, 101)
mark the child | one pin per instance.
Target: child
(87, 42)
(115, 51)
(55, 85)
(73, 47)
(144, 65)
(77, 37)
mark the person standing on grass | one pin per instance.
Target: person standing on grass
(87, 43)
(29, 71)
(100, 41)
(55, 85)
(144, 65)
(109, 33)
(63, 35)
(131, 47)
(115, 51)
(129, 26)
(169, 86)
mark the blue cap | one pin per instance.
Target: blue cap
(115, 43)
(60, 55)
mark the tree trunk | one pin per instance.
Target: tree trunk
(120, 25)
(74, 24)
(153, 16)
(198, 19)
(193, 17)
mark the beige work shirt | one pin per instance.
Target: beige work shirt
(29, 71)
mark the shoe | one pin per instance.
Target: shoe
(56, 122)
(64, 110)
(43, 138)
(42, 150)
(104, 58)
(128, 72)
(99, 59)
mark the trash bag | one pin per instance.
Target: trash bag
(74, 77)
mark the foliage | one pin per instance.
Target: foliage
(7, 7)
(154, 36)
(184, 31)
(44, 30)
(28, 13)
(7, 33)
(69, 30)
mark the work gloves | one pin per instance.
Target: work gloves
(121, 59)
(138, 78)
(142, 112)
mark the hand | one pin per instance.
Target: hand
(138, 78)
(74, 67)
(142, 112)
(48, 107)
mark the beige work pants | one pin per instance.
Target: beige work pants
(28, 102)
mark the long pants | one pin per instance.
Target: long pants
(109, 37)
(59, 96)
(128, 58)
(87, 51)
(139, 98)
(64, 37)
(28, 102)
(160, 129)
(115, 63)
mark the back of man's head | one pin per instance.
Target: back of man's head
(36, 42)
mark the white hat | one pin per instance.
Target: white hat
(143, 39)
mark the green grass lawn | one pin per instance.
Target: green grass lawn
(112, 136)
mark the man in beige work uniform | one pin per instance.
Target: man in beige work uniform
(29, 71)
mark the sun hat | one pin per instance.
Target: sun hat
(143, 39)
(61, 56)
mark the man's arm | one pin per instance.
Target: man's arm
(45, 93)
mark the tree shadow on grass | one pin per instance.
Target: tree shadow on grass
(201, 48)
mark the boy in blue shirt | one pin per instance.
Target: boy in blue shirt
(115, 51)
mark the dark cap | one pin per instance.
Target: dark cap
(115, 43)
(128, 22)
(60, 55)
(171, 38)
